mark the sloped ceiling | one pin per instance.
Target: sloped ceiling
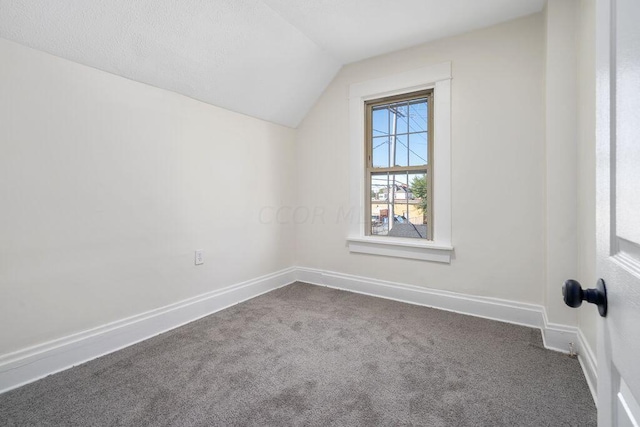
(269, 59)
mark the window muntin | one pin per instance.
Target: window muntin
(399, 147)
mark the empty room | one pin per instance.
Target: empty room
(311, 213)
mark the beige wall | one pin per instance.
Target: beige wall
(570, 127)
(561, 155)
(108, 186)
(586, 212)
(498, 166)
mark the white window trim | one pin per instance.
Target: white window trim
(438, 78)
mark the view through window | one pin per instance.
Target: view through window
(399, 165)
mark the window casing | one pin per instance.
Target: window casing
(439, 248)
(399, 165)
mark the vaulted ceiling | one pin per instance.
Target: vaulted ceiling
(269, 59)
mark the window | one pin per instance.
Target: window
(400, 151)
(398, 165)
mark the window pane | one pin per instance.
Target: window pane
(418, 153)
(380, 121)
(399, 111)
(418, 116)
(380, 152)
(418, 188)
(411, 210)
(401, 150)
(379, 204)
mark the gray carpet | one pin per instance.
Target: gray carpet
(308, 355)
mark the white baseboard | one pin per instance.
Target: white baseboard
(554, 336)
(489, 308)
(589, 365)
(558, 337)
(33, 363)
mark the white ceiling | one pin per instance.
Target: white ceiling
(269, 59)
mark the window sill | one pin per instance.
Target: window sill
(401, 248)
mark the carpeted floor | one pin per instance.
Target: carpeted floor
(308, 355)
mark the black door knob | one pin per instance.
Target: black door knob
(574, 295)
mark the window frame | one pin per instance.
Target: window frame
(438, 78)
(427, 168)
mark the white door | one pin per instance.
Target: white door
(618, 209)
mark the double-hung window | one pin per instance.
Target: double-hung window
(398, 165)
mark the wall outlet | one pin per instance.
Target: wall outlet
(199, 257)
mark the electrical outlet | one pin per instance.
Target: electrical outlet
(199, 257)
